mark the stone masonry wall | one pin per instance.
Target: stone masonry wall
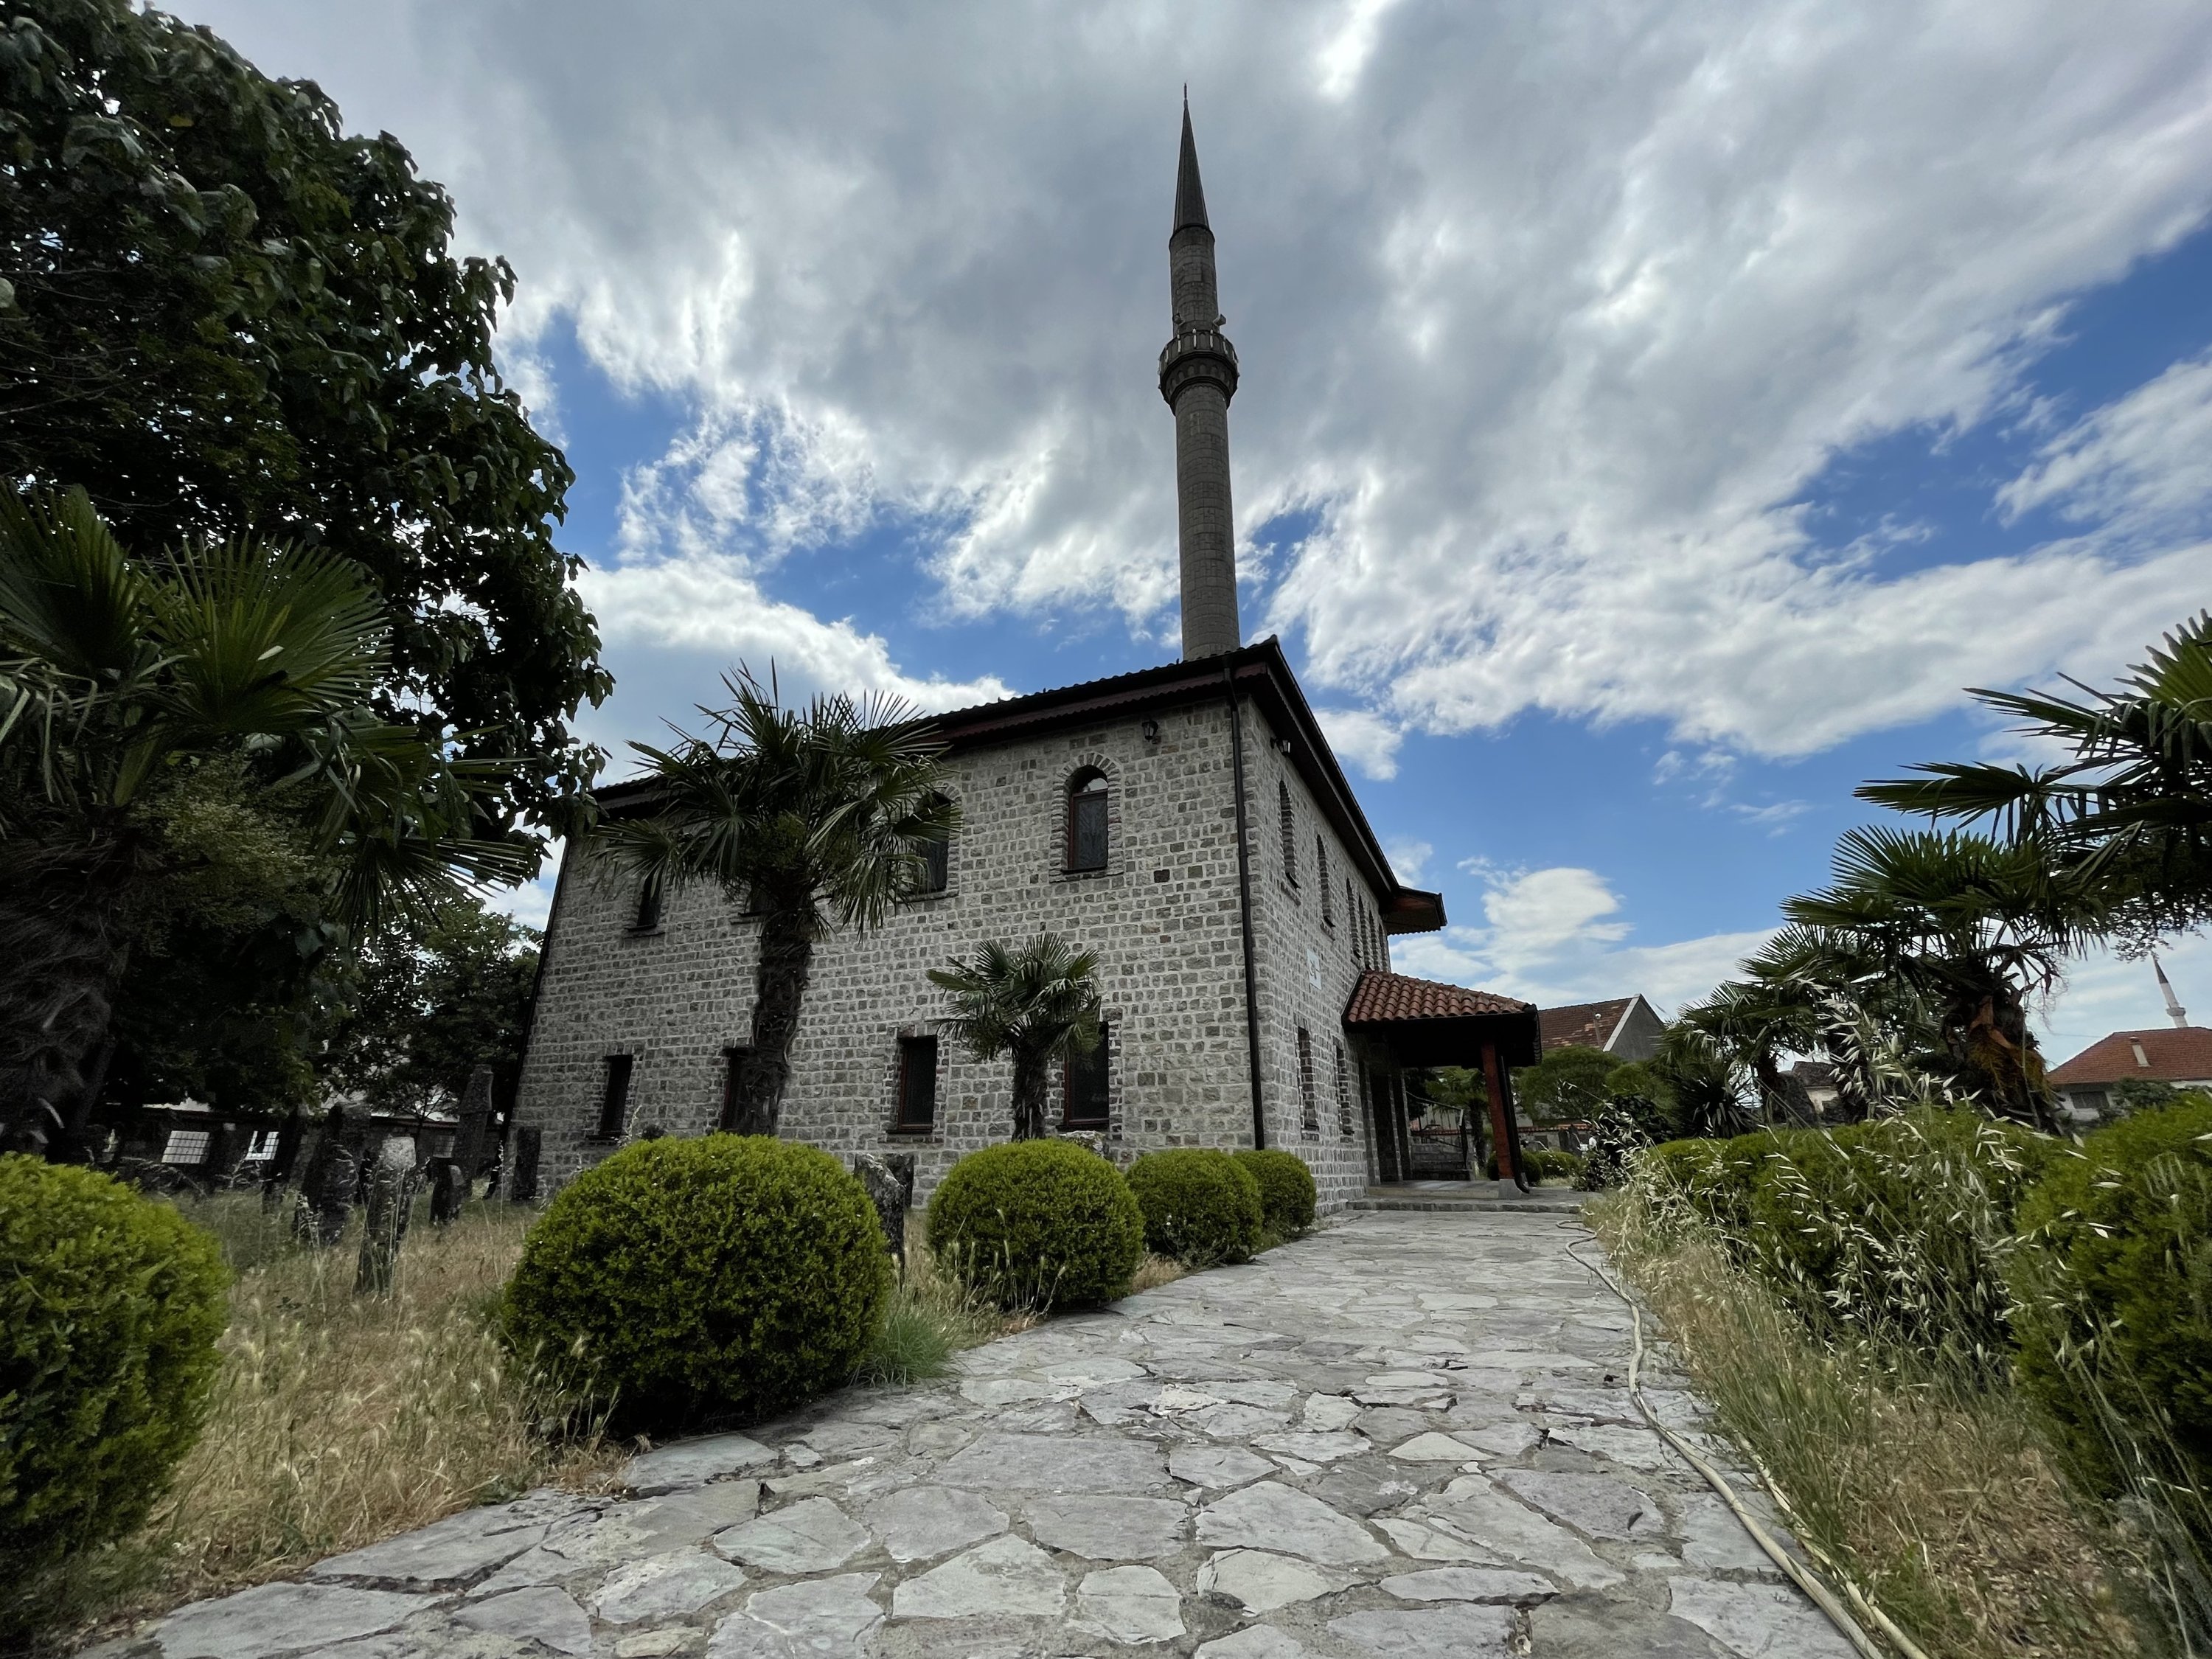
(1163, 916)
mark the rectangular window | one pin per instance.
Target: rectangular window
(261, 1145)
(649, 908)
(1086, 831)
(733, 1083)
(917, 1085)
(187, 1147)
(1320, 877)
(614, 1097)
(936, 866)
(1343, 1095)
(1310, 1116)
(1086, 1105)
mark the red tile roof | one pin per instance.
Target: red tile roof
(1384, 997)
(1585, 1025)
(2179, 1054)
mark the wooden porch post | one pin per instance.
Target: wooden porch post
(1501, 1135)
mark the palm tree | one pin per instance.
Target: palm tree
(127, 687)
(807, 818)
(1969, 929)
(2130, 813)
(1038, 1003)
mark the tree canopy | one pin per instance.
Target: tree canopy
(222, 315)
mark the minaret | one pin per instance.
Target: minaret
(1198, 377)
(2174, 1011)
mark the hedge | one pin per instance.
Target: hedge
(1287, 1197)
(700, 1280)
(1038, 1223)
(110, 1304)
(1200, 1206)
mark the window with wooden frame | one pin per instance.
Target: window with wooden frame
(936, 873)
(1343, 1095)
(1086, 820)
(734, 1058)
(1083, 1104)
(916, 1108)
(614, 1097)
(1308, 1113)
(647, 917)
(1321, 882)
(1289, 833)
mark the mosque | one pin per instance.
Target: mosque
(1187, 822)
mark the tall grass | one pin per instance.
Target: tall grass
(1937, 1494)
(337, 1419)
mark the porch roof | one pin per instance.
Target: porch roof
(1426, 1023)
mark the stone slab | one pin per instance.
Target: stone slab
(282, 1618)
(1598, 1504)
(1284, 1520)
(447, 1554)
(1216, 1466)
(671, 1586)
(1129, 1605)
(1497, 1584)
(1044, 1462)
(920, 1523)
(1101, 1528)
(1260, 1583)
(542, 1614)
(812, 1535)
(1006, 1577)
(694, 1463)
(808, 1620)
(1454, 1632)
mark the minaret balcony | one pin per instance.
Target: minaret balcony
(1196, 354)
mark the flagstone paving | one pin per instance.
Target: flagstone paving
(1407, 1435)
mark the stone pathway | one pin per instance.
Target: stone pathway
(1407, 1435)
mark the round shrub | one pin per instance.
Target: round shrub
(1200, 1206)
(1541, 1164)
(1287, 1190)
(707, 1279)
(2115, 1285)
(110, 1306)
(1037, 1223)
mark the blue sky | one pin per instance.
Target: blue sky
(1652, 419)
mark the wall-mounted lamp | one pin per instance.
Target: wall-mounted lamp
(1152, 731)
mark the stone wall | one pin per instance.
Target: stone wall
(1163, 916)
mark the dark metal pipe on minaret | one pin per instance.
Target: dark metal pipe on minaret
(1198, 377)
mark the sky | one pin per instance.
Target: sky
(1653, 415)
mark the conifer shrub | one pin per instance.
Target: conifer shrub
(110, 1304)
(2115, 1285)
(1037, 1223)
(694, 1282)
(1201, 1207)
(1288, 1196)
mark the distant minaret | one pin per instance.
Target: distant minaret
(2174, 1011)
(1198, 377)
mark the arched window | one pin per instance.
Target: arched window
(936, 872)
(1320, 881)
(1086, 820)
(1290, 834)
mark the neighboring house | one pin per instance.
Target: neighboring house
(2178, 1056)
(1813, 1084)
(1188, 823)
(1626, 1026)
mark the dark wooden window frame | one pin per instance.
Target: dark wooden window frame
(1309, 1106)
(645, 919)
(735, 1056)
(1320, 881)
(1089, 793)
(1343, 1095)
(1290, 832)
(1073, 1069)
(614, 1096)
(917, 1086)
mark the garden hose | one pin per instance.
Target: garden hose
(1822, 1597)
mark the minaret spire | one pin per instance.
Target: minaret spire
(1198, 377)
(2174, 1011)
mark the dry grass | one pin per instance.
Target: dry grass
(1155, 1271)
(1943, 1503)
(340, 1420)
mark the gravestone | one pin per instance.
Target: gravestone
(476, 1123)
(888, 1179)
(449, 1190)
(392, 1180)
(522, 1187)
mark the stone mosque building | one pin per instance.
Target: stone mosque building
(1187, 822)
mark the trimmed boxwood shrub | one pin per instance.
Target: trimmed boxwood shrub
(1037, 1223)
(2116, 1278)
(110, 1306)
(1200, 1206)
(1287, 1190)
(702, 1280)
(1542, 1165)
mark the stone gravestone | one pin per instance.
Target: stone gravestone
(476, 1124)
(522, 1187)
(392, 1180)
(889, 1178)
(449, 1190)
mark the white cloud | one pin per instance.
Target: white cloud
(1409, 859)
(712, 606)
(1362, 738)
(1547, 314)
(2137, 466)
